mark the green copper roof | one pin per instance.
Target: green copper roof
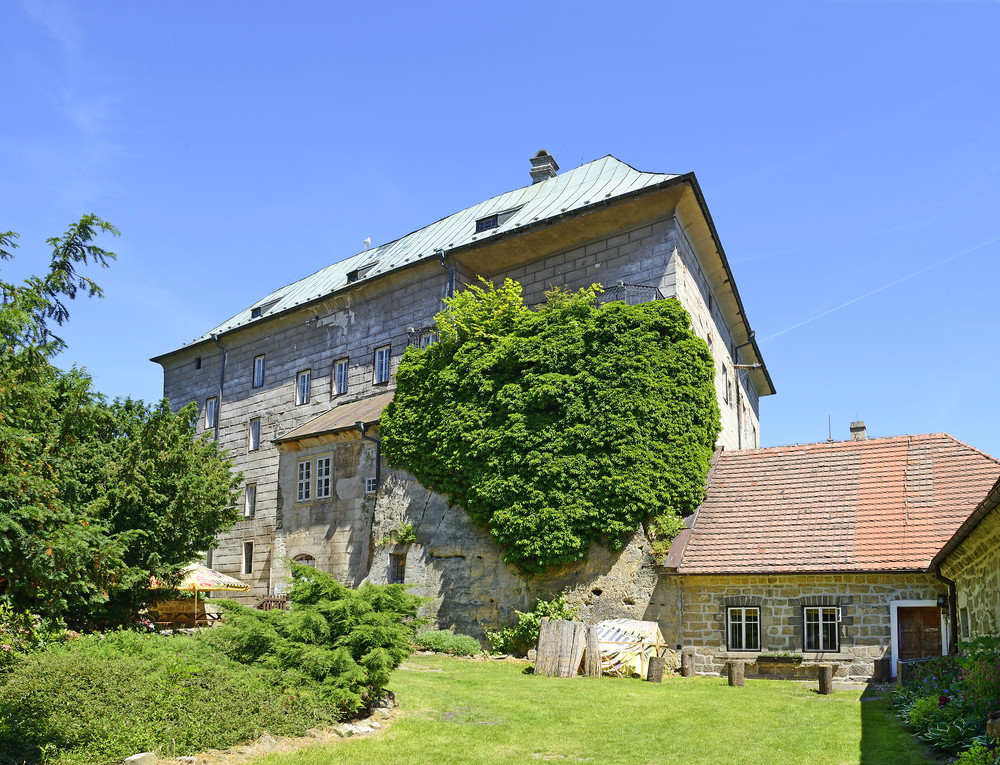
(597, 181)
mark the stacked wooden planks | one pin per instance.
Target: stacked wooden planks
(564, 646)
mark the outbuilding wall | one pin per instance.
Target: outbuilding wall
(974, 566)
(865, 633)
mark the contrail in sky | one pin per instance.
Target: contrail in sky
(884, 287)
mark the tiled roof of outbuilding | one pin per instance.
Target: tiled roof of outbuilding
(884, 504)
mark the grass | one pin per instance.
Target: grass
(459, 711)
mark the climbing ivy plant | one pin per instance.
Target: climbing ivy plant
(558, 426)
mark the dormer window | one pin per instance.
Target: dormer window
(485, 224)
(256, 312)
(495, 221)
(360, 272)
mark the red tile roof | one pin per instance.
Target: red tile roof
(885, 504)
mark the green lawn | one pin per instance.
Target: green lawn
(458, 711)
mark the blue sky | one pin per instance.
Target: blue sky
(848, 151)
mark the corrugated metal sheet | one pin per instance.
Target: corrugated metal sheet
(343, 417)
(596, 181)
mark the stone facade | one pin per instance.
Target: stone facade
(695, 617)
(974, 566)
(652, 249)
(458, 567)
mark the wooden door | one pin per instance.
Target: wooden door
(919, 632)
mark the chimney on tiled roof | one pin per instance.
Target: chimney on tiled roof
(543, 167)
(858, 431)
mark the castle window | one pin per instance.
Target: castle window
(250, 505)
(340, 370)
(381, 365)
(324, 475)
(743, 628)
(254, 440)
(397, 568)
(303, 381)
(211, 406)
(258, 371)
(305, 559)
(248, 557)
(371, 484)
(303, 481)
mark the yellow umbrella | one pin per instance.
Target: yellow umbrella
(198, 578)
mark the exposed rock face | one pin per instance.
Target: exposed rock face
(471, 589)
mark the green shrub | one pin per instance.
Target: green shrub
(524, 635)
(952, 735)
(446, 641)
(982, 752)
(346, 642)
(98, 700)
(979, 660)
(927, 711)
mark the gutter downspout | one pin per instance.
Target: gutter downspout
(363, 428)
(443, 258)
(222, 383)
(952, 609)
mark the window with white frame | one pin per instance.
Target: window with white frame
(743, 628)
(303, 382)
(250, 503)
(340, 369)
(324, 475)
(821, 632)
(248, 557)
(258, 371)
(382, 364)
(211, 407)
(254, 440)
(371, 484)
(303, 481)
(305, 559)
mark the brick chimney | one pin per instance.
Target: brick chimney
(543, 167)
(858, 431)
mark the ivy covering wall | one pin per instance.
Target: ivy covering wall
(558, 426)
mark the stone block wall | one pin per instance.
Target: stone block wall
(471, 590)
(974, 566)
(864, 632)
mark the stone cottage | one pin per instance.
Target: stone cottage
(827, 552)
(293, 386)
(970, 560)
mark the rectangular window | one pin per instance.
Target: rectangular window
(248, 557)
(210, 412)
(725, 385)
(397, 568)
(371, 484)
(254, 440)
(382, 364)
(258, 371)
(303, 483)
(323, 476)
(963, 620)
(250, 506)
(340, 368)
(821, 628)
(303, 381)
(744, 629)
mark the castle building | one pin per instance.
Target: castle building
(293, 386)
